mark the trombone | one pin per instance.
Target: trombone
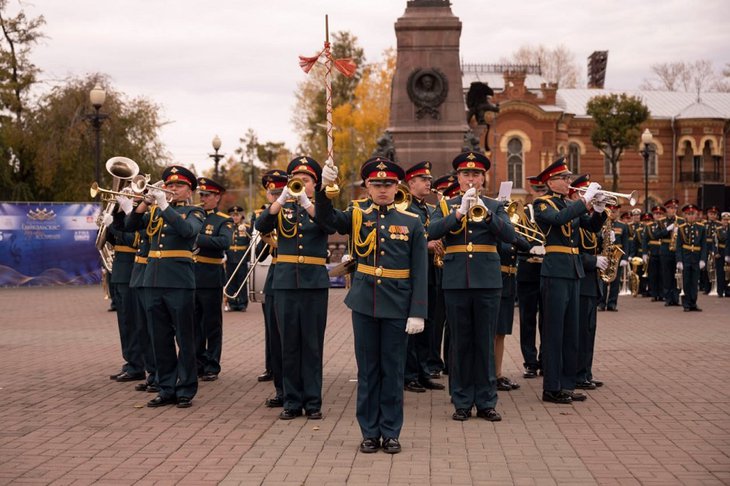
(251, 257)
(516, 212)
(608, 197)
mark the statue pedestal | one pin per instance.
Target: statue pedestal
(427, 109)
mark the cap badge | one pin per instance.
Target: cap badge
(471, 156)
(381, 166)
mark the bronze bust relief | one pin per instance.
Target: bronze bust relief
(427, 89)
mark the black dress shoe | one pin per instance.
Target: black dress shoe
(184, 402)
(502, 385)
(114, 377)
(414, 386)
(529, 373)
(265, 376)
(275, 402)
(598, 383)
(507, 382)
(313, 414)
(153, 388)
(141, 387)
(577, 397)
(289, 414)
(461, 414)
(431, 385)
(687, 309)
(489, 414)
(159, 401)
(611, 309)
(695, 309)
(391, 446)
(368, 446)
(129, 377)
(435, 375)
(209, 377)
(586, 385)
(556, 397)
(601, 308)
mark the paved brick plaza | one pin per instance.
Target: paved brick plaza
(662, 418)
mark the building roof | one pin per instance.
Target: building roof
(661, 104)
(496, 80)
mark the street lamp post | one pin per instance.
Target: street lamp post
(216, 156)
(646, 139)
(97, 97)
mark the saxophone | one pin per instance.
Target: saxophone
(612, 252)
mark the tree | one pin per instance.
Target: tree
(17, 76)
(359, 122)
(310, 113)
(60, 141)
(698, 77)
(557, 64)
(617, 119)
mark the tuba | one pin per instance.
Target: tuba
(123, 170)
(610, 251)
(634, 278)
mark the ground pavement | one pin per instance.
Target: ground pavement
(662, 418)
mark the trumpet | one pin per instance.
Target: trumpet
(402, 197)
(516, 212)
(478, 211)
(295, 187)
(608, 197)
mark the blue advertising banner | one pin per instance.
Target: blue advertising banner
(48, 244)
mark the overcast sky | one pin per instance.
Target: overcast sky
(222, 67)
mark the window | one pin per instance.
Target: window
(687, 164)
(574, 158)
(514, 162)
(607, 168)
(710, 169)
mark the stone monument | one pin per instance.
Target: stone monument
(427, 110)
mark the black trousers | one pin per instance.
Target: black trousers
(131, 350)
(586, 337)
(669, 282)
(691, 284)
(560, 301)
(171, 313)
(302, 317)
(142, 328)
(208, 330)
(472, 317)
(609, 292)
(721, 283)
(528, 299)
(437, 317)
(656, 277)
(273, 344)
(380, 346)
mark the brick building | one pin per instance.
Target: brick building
(538, 121)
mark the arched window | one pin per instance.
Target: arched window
(608, 168)
(710, 168)
(515, 162)
(574, 158)
(687, 164)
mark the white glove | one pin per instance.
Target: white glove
(599, 206)
(680, 266)
(624, 263)
(414, 325)
(283, 196)
(160, 198)
(601, 262)
(591, 191)
(702, 264)
(670, 227)
(467, 200)
(727, 259)
(537, 250)
(346, 258)
(125, 204)
(304, 201)
(329, 174)
(612, 236)
(106, 219)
